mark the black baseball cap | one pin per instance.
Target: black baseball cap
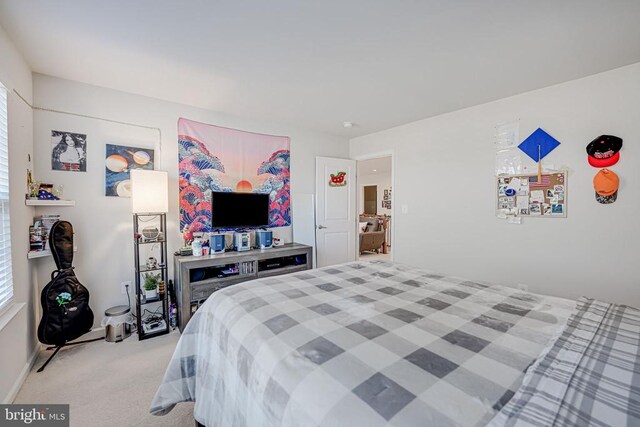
(604, 151)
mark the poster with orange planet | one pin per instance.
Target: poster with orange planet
(214, 158)
(119, 160)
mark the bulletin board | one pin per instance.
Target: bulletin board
(524, 196)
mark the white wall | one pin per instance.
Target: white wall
(444, 173)
(382, 181)
(103, 225)
(17, 338)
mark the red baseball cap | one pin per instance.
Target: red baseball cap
(604, 151)
(604, 163)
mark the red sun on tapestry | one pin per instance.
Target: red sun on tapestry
(244, 186)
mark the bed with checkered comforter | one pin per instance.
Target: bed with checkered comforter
(589, 376)
(360, 344)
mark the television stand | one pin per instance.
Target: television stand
(196, 278)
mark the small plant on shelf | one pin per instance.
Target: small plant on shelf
(151, 285)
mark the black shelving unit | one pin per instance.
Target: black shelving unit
(160, 310)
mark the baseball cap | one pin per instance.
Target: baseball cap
(606, 184)
(604, 151)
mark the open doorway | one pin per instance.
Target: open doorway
(375, 191)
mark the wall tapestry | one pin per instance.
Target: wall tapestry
(68, 151)
(213, 158)
(119, 160)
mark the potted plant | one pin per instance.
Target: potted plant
(151, 285)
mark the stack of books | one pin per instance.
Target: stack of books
(47, 221)
(37, 238)
(39, 232)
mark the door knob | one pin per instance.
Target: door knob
(320, 227)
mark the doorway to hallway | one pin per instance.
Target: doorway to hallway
(375, 198)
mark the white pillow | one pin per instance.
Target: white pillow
(363, 226)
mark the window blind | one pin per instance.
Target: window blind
(6, 277)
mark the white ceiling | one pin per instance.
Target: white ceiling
(316, 64)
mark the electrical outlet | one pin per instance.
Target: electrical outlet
(123, 287)
(523, 287)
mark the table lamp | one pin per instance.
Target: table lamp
(149, 191)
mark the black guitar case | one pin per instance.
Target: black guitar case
(65, 301)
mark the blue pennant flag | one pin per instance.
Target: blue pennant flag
(538, 138)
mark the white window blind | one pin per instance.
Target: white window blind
(6, 277)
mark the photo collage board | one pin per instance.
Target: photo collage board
(527, 196)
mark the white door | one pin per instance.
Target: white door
(335, 211)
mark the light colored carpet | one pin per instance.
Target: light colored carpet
(370, 256)
(107, 384)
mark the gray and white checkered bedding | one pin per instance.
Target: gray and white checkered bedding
(360, 344)
(589, 376)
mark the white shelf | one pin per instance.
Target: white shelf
(35, 202)
(42, 254)
(38, 254)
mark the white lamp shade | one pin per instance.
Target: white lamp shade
(149, 191)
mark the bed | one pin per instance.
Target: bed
(367, 344)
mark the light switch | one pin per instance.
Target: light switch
(404, 209)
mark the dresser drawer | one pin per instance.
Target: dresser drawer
(199, 292)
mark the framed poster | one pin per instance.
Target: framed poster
(119, 160)
(68, 151)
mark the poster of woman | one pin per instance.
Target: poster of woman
(68, 151)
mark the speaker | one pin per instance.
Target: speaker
(217, 243)
(264, 239)
(242, 241)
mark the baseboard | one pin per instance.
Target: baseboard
(94, 333)
(22, 377)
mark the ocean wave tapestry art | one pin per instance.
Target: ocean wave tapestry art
(213, 158)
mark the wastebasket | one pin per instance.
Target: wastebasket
(117, 323)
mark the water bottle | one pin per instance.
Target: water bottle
(196, 247)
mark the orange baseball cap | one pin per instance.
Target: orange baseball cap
(606, 184)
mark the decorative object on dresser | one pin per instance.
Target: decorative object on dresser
(217, 243)
(196, 247)
(197, 278)
(242, 241)
(264, 239)
(149, 205)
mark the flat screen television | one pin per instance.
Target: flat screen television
(239, 210)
